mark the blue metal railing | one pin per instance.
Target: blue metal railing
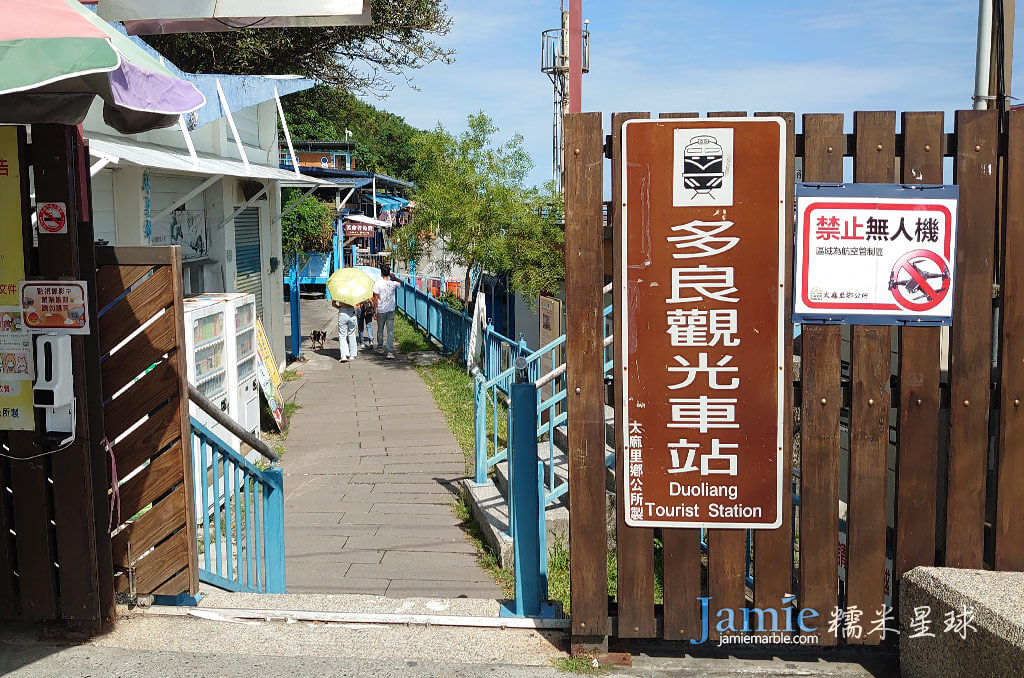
(493, 411)
(492, 404)
(240, 511)
(442, 324)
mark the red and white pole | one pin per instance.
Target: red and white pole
(575, 56)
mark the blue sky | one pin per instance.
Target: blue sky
(682, 55)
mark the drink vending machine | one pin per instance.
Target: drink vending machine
(221, 349)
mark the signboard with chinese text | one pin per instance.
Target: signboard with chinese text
(16, 412)
(358, 228)
(55, 306)
(268, 377)
(703, 284)
(875, 254)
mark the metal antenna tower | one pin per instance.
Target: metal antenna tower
(554, 62)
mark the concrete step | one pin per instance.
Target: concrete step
(490, 504)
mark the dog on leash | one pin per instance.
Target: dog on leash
(317, 339)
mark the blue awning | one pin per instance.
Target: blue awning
(388, 203)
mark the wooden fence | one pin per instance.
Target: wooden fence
(953, 501)
(145, 391)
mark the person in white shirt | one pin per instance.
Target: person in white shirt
(384, 292)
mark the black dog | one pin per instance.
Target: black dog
(317, 339)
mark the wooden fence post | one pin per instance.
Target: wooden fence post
(584, 280)
(58, 164)
(773, 549)
(821, 400)
(918, 433)
(681, 563)
(1009, 519)
(871, 350)
(634, 545)
(971, 337)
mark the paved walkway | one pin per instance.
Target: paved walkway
(369, 472)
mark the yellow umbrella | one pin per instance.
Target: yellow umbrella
(350, 286)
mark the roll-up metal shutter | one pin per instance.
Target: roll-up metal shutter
(248, 276)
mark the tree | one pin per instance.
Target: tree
(355, 58)
(307, 228)
(471, 194)
(383, 141)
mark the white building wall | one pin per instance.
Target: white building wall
(104, 222)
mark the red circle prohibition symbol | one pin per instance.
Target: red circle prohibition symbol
(51, 218)
(920, 280)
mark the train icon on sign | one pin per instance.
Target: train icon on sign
(703, 164)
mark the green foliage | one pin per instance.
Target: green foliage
(581, 663)
(471, 194)
(354, 58)
(451, 300)
(307, 228)
(408, 339)
(383, 141)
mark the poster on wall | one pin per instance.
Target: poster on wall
(186, 228)
(16, 387)
(549, 310)
(878, 254)
(59, 306)
(268, 377)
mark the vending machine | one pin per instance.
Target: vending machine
(206, 351)
(240, 388)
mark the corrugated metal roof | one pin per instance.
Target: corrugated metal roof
(121, 151)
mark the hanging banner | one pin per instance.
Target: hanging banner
(268, 377)
(15, 385)
(702, 251)
(878, 254)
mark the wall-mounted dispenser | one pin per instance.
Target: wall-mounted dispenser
(54, 390)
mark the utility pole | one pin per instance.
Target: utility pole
(995, 54)
(558, 64)
(575, 55)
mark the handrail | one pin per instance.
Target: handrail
(239, 511)
(230, 424)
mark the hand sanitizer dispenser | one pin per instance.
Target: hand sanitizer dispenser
(54, 390)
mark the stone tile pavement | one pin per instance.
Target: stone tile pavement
(369, 473)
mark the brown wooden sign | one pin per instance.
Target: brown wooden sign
(703, 211)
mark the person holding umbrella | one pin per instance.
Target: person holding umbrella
(346, 331)
(348, 287)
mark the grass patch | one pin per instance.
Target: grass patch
(290, 375)
(291, 408)
(408, 339)
(486, 558)
(578, 664)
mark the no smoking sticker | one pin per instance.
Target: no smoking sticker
(52, 217)
(920, 280)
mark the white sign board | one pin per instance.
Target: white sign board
(875, 254)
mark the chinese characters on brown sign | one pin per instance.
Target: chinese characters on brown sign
(703, 284)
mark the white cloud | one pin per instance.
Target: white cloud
(682, 55)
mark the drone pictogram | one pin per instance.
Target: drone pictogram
(920, 280)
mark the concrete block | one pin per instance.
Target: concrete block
(993, 647)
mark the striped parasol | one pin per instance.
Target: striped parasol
(56, 56)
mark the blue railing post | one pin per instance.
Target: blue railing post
(293, 300)
(355, 255)
(480, 428)
(274, 530)
(525, 499)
